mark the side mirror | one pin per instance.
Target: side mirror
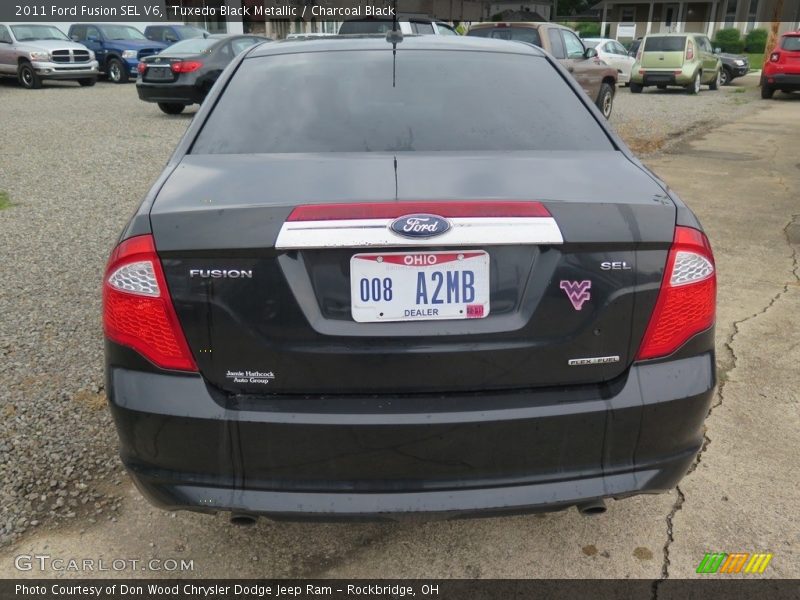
(92, 38)
(75, 38)
(590, 53)
(717, 50)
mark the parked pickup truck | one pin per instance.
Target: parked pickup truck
(597, 79)
(33, 53)
(119, 48)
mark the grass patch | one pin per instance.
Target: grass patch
(5, 201)
(756, 60)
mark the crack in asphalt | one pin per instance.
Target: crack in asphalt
(723, 380)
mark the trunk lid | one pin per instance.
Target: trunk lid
(267, 320)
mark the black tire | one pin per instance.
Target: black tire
(171, 108)
(767, 91)
(28, 77)
(117, 73)
(716, 82)
(694, 87)
(605, 99)
(88, 82)
(725, 77)
(662, 86)
(636, 88)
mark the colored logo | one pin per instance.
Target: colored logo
(420, 226)
(577, 291)
(738, 562)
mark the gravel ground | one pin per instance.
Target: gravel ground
(75, 163)
(655, 119)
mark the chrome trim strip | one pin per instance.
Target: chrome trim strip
(375, 233)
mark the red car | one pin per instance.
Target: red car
(782, 70)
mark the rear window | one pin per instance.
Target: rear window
(347, 101)
(365, 27)
(190, 32)
(192, 46)
(665, 44)
(518, 34)
(791, 43)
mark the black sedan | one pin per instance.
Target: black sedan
(385, 276)
(184, 73)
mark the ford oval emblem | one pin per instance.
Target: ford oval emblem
(420, 226)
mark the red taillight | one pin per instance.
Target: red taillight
(137, 308)
(141, 68)
(390, 210)
(687, 301)
(185, 66)
(689, 51)
(775, 57)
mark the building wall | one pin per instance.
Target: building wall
(698, 20)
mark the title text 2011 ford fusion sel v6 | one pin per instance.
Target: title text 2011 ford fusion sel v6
(435, 282)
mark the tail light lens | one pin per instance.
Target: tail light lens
(185, 66)
(775, 57)
(689, 51)
(137, 308)
(141, 68)
(687, 302)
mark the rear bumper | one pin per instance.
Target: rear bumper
(352, 458)
(789, 81)
(661, 77)
(170, 93)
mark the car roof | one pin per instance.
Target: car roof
(400, 17)
(528, 24)
(684, 34)
(409, 42)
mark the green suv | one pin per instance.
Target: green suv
(678, 59)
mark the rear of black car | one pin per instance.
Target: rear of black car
(412, 292)
(184, 73)
(179, 75)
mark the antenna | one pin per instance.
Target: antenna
(394, 37)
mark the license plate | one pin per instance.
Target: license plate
(159, 73)
(419, 286)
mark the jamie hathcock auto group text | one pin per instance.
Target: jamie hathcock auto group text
(217, 591)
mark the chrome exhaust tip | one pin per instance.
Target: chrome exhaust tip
(243, 519)
(592, 508)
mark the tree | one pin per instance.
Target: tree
(566, 8)
(773, 30)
